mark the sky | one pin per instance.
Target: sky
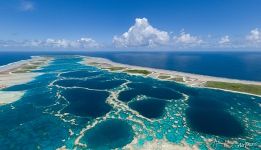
(130, 25)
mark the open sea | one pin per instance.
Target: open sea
(76, 106)
(234, 65)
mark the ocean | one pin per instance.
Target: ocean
(71, 105)
(7, 57)
(234, 65)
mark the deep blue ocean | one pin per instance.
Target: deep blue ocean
(236, 65)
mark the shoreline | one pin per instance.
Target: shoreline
(10, 67)
(19, 72)
(189, 79)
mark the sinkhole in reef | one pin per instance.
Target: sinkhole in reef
(205, 102)
(149, 108)
(113, 133)
(80, 74)
(86, 103)
(144, 89)
(216, 122)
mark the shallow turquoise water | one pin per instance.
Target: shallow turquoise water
(84, 107)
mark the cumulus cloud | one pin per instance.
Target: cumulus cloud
(27, 6)
(254, 36)
(187, 39)
(141, 34)
(224, 40)
(82, 43)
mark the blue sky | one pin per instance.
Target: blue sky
(147, 24)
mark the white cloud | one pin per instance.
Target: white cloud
(63, 43)
(141, 34)
(187, 39)
(82, 43)
(27, 6)
(7, 43)
(224, 40)
(254, 36)
(87, 43)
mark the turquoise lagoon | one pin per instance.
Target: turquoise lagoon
(72, 105)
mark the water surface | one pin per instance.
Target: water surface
(79, 106)
(234, 65)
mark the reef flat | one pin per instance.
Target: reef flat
(72, 104)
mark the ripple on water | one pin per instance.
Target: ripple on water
(86, 103)
(109, 134)
(216, 122)
(149, 108)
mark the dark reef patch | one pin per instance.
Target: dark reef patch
(214, 122)
(144, 89)
(128, 95)
(149, 108)
(206, 102)
(86, 103)
(109, 134)
(80, 74)
(97, 84)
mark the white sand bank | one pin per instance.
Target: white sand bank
(7, 80)
(7, 97)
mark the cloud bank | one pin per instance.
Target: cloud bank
(82, 43)
(142, 35)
